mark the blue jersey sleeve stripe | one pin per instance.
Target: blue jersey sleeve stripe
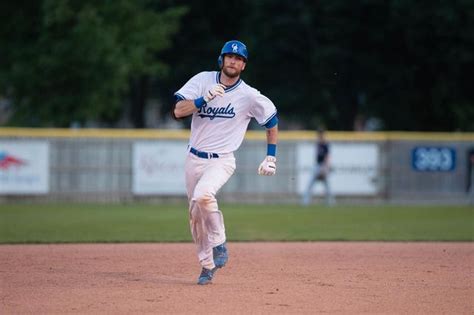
(268, 119)
(178, 97)
(272, 122)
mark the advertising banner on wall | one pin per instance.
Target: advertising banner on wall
(24, 167)
(158, 168)
(354, 168)
(433, 159)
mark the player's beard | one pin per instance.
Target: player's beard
(233, 73)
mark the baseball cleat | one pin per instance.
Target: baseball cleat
(206, 276)
(220, 255)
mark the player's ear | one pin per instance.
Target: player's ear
(243, 68)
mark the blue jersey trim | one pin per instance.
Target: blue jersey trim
(229, 88)
(271, 122)
(178, 97)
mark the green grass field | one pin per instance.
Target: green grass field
(78, 223)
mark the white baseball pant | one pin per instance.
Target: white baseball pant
(204, 178)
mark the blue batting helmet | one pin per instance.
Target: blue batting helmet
(233, 47)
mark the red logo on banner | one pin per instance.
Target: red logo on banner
(7, 161)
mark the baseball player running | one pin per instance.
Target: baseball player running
(221, 105)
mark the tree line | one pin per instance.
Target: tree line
(344, 65)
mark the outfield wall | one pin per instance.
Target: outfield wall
(92, 165)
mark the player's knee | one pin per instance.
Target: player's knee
(204, 199)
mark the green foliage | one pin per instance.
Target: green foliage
(402, 61)
(43, 223)
(335, 61)
(74, 59)
(329, 62)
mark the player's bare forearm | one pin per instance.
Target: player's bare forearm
(272, 135)
(184, 108)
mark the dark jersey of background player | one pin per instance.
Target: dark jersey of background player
(323, 151)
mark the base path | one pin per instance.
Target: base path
(262, 278)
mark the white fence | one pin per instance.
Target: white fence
(127, 165)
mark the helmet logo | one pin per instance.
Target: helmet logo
(235, 47)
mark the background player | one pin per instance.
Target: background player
(221, 105)
(320, 171)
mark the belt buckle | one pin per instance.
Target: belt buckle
(209, 155)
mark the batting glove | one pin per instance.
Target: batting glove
(268, 166)
(214, 91)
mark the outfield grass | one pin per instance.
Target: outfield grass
(77, 223)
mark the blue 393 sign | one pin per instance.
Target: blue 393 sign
(433, 159)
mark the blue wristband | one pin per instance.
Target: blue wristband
(271, 149)
(199, 102)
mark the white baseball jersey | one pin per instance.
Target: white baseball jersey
(220, 125)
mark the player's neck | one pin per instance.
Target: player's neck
(228, 81)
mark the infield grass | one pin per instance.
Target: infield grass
(79, 223)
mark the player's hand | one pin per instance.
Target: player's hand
(216, 90)
(268, 166)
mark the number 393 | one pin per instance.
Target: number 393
(433, 159)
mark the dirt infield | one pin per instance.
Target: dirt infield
(263, 278)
